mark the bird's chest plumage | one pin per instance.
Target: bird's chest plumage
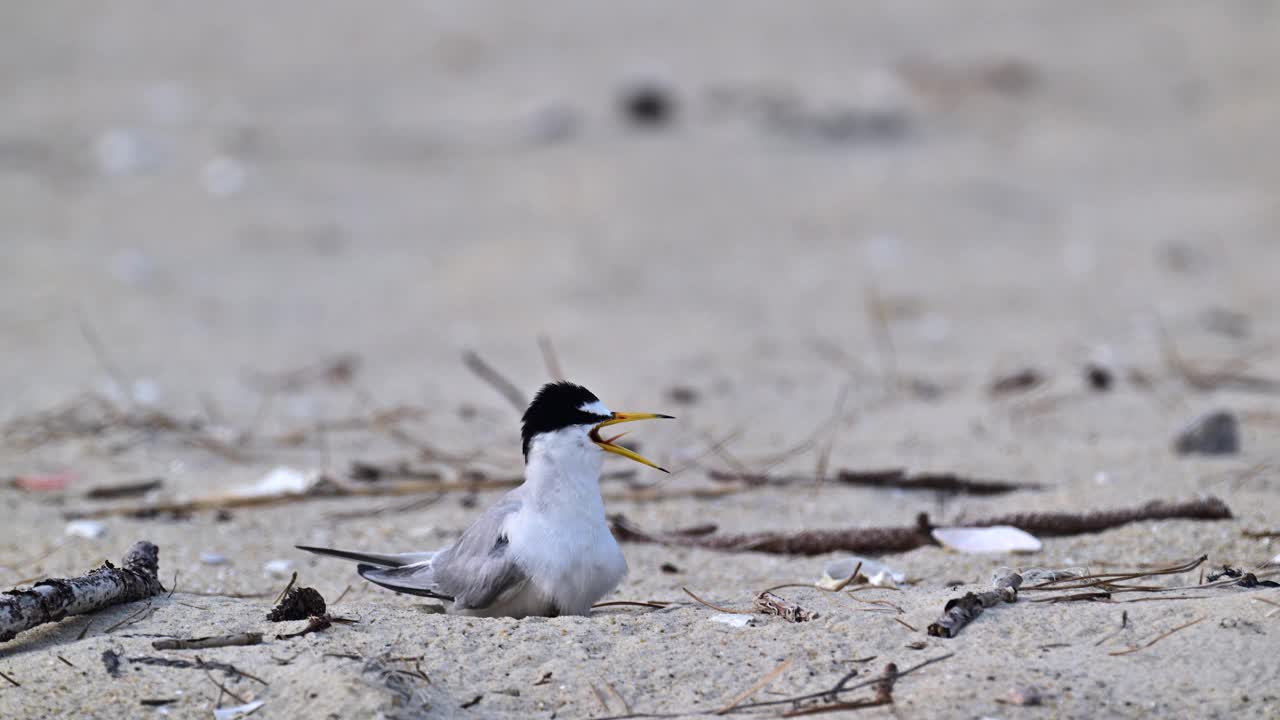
(560, 535)
(573, 559)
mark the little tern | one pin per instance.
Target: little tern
(545, 548)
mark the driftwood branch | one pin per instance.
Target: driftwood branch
(893, 478)
(902, 539)
(804, 542)
(962, 610)
(1209, 508)
(54, 599)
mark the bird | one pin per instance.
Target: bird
(543, 549)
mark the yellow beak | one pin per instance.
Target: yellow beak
(608, 446)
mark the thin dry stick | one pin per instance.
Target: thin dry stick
(220, 686)
(202, 643)
(635, 603)
(1230, 375)
(104, 360)
(136, 617)
(626, 706)
(13, 682)
(604, 702)
(879, 320)
(230, 502)
(1159, 637)
(884, 696)
(756, 687)
(485, 372)
(714, 607)
(824, 456)
(904, 624)
(292, 579)
(549, 358)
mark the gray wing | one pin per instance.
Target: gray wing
(473, 572)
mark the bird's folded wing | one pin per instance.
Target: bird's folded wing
(479, 569)
(410, 579)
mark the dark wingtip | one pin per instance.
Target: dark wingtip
(667, 417)
(665, 470)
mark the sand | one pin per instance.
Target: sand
(196, 196)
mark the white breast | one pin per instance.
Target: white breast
(560, 534)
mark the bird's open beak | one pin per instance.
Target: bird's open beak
(608, 446)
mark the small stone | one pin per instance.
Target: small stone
(1214, 434)
(91, 529)
(669, 569)
(1099, 377)
(1024, 696)
(213, 558)
(648, 106)
(278, 568)
(682, 395)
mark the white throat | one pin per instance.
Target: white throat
(563, 472)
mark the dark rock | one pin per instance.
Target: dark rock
(648, 106)
(1099, 378)
(1217, 433)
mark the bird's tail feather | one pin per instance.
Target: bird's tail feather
(392, 560)
(416, 580)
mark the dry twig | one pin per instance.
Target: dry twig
(202, 643)
(963, 610)
(485, 372)
(53, 599)
(1159, 637)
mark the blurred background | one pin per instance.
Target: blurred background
(762, 202)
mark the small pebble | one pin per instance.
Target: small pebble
(213, 559)
(1024, 696)
(648, 106)
(682, 395)
(91, 529)
(1098, 377)
(278, 568)
(1214, 434)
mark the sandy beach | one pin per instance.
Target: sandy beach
(242, 237)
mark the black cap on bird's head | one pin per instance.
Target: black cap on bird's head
(559, 405)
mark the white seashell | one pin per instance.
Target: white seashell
(91, 529)
(278, 568)
(281, 481)
(732, 619)
(237, 711)
(996, 539)
(836, 573)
